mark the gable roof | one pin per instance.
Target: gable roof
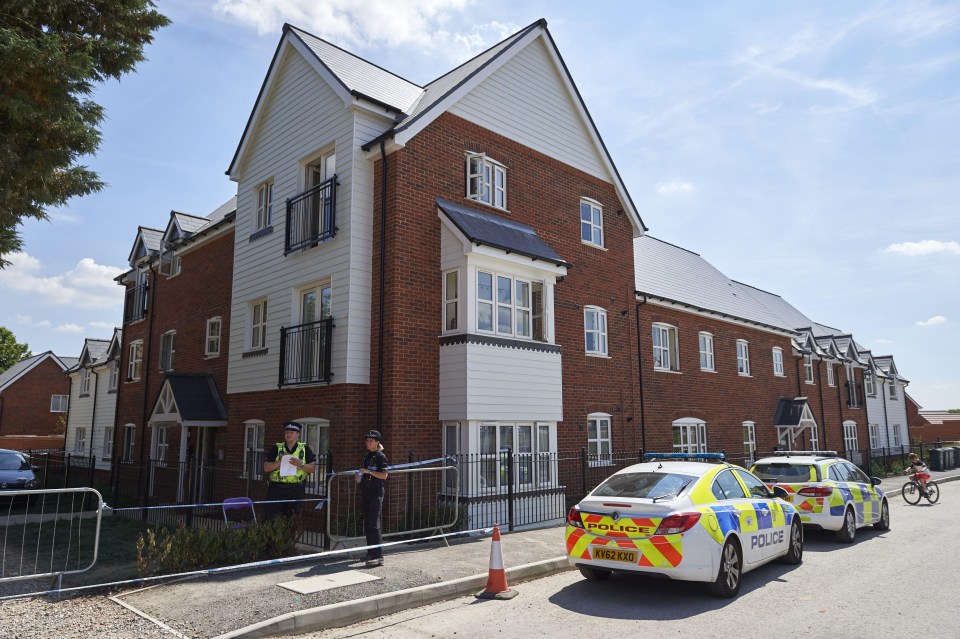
(148, 243)
(21, 368)
(414, 107)
(483, 228)
(197, 400)
(92, 351)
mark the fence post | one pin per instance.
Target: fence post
(66, 473)
(409, 522)
(326, 494)
(145, 489)
(93, 467)
(583, 472)
(46, 469)
(249, 467)
(510, 495)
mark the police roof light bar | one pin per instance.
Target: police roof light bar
(651, 456)
(812, 453)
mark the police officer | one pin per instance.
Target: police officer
(288, 485)
(371, 477)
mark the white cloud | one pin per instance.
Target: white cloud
(26, 319)
(86, 285)
(933, 321)
(69, 328)
(923, 247)
(883, 341)
(423, 24)
(105, 325)
(669, 188)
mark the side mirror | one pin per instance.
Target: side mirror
(875, 480)
(780, 492)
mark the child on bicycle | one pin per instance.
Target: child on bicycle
(920, 469)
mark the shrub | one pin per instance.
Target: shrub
(166, 550)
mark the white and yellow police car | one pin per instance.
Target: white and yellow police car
(683, 519)
(830, 492)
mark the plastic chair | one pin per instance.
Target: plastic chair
(238, 512)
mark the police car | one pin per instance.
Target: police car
(684, 519)
(830, 492)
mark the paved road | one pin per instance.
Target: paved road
(903, 582)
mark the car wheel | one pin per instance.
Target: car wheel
(848, 531)
(795, 551)
(727, 583)
(884, 522)
(595, 574)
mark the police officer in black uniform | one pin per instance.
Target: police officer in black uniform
(288, 486)
(371, 477)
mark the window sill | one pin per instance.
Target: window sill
(592, 245)
(82, 395)
(809, 383)
(708, 370)
(779, 375)
(598, 355)
(213, 356)
(265, 231)
(667, 370)
(488, 205)
(257, 353)
(744, 375)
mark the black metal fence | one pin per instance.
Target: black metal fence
(305, 353)
(311, 216)
(135, 303)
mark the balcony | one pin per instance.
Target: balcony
(853, 399)
(135, 303)
(305, 353)
(311, 217)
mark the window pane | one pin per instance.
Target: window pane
(523, 323)
(451, 315)
(504, 319)
(525, 438)
(488, 440)
(484, 286)
(452, 282)
(485, 317)
(591, 320)
(592, 429)
(506, 437)
(503, 290)
(586, 232)
(584, 212)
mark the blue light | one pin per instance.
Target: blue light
(684, 456)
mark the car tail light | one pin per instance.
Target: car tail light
(676, 524)
(573, 518)
(816, 491)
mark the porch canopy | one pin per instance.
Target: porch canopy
(190, 399)
(793, 416)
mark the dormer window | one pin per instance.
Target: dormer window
(486, 180)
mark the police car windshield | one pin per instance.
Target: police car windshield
(783, 472)
(643, 485)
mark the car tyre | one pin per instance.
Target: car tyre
(848, 531)
(794, 554)
(595, 574)
(727, 583)
(884, 522)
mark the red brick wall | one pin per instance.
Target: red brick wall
(543, 193)
(183, 303)
(25, 404)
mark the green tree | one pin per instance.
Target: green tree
(52, 52)
(10, 351)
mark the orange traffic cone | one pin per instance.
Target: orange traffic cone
(497, 587)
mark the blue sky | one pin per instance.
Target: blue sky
(808, 149)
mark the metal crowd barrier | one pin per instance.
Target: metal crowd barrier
(49, 533)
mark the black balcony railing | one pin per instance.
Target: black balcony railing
(853, 395)
(135, 303)
(311, 216)
(305, 353)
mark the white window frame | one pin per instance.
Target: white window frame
(591, 222)
(743, 358)
(600, 439)
(213, 337)
(258, 312)
(896, 436)
(749, 442)
(596, 328)
(84, 381)
(666, 356)
(168, 350)
(850, 443)
(254, 438)
(59, 403)
(135, 361)
(852, 384)
(892, 392)
(808, 369)
(80, 439)
(874, 431)
(831, 378)
(869, 383)
(515, 307)
(529, 470)
(778, 361)
(108, 442)
(707, 361)
(263, 200)
(160, 447)
(129, 441)
(689, 435)
(451, 301)
(486, 180)
(114, 379)
(316, 435)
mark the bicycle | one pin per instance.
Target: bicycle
(912, 492)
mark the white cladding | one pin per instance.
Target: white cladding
(95, 412)
(526, 100)
(302, 118)
(499, 383)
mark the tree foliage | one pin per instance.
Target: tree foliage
(52, 52)
(10, 351)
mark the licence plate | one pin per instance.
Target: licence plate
(615, 554)
(788, 499)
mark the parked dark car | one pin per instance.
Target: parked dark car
(16, 473)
